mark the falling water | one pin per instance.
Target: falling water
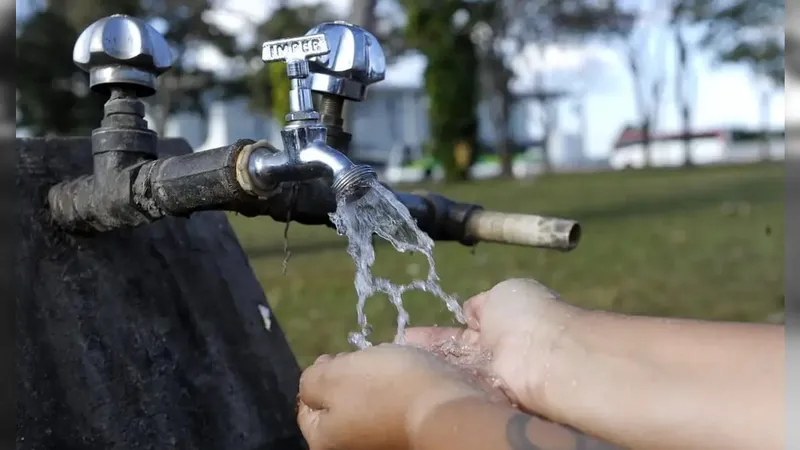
(380, 213)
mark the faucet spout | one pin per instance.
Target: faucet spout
(349, 181)
(319, 153)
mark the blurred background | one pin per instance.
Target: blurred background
(659, 124)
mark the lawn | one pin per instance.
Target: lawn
(701, 243)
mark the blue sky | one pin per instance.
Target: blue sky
(725, 96)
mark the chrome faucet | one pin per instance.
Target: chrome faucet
(305, 155)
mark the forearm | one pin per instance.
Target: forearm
(475, 424)
(663, 383)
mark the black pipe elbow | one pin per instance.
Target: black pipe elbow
(93, 204)
(441, 218)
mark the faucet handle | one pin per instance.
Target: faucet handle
(295, 52)
(356, 61)
(123, 51)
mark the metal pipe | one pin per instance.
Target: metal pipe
(529, 230)
(147, 191)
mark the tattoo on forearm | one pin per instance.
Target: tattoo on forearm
(586, 442)
(517, 433)
(517, 436)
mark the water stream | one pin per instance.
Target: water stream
(380, 213)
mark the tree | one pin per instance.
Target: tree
(683, 15)
(643, 49)
(496, 75)
(52, 94)
(537, 26)
(187, 87)
(44, 59)
(793, 38)
(510, 28)
(750, 33)
(648, 75)
(49, 98)
(747, 32)
(363, 14)
(7, 78)
(450, 79)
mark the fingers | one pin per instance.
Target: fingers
(317, 382)
(434, 338)
(308, 420)
(322, 359)
(514, 295)
(426, 337)
(473, 310)
(317, 428)
(324, 389)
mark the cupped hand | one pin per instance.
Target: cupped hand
(519, 323)
(376, 398)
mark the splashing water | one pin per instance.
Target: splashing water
(380, 213)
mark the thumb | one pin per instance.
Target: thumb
(317, 383)
(428, 337)
(308, 419)
(473, 310)
(323, 429)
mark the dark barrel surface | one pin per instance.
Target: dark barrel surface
(150, 338)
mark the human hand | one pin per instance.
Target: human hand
(377, 398)
(519, 322)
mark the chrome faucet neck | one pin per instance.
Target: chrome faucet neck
(306, 154)
(295, 53)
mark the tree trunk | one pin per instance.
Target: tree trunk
(681, 75)
(687, 139)
(766, 103)
(506, 141)
(150, 338)
(549, 125)
(362, 13)
(641, 103)
(499, 97)
(647, 138)
(542, 104)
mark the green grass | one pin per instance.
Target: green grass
(702, 243)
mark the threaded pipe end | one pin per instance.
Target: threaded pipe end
(331, 105)
(354, 182)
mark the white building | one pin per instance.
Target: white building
(389, 117)
(708, 147)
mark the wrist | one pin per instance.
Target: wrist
(428, 407)
(448, 424)
(561, 365)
